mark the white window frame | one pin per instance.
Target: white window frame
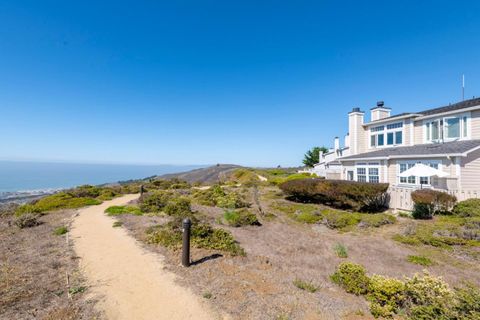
(385, 133)
(427, 130)
(368, 165)
(417, 179)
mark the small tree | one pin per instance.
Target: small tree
(311, 157)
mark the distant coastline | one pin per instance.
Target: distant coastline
(24, 181)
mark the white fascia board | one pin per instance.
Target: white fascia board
(391, 119)
(471, 150)
(363, 159)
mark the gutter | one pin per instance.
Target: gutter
(447, 113)
(445, 155)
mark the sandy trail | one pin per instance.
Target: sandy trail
(130, 281)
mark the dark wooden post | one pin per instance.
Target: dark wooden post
(187, 223)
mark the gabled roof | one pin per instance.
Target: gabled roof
(458, 148)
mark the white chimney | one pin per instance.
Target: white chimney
(379, 112)
(347, 140)
(320, 156)
(336, 145)
(355, 129)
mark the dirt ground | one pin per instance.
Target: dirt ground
(34, 266)
(259, 286)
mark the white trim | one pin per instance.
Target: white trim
(385, 133)
(393, 118)
(458, 115)
(412, 138)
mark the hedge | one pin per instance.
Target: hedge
(359, 196)
(428, 202)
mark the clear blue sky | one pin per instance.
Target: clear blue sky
(201, 82)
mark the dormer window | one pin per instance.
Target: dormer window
(388, 135)
(447, 128)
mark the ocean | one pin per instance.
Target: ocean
(18, 178)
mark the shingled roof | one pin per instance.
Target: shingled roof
(451, 107)
(438, 149)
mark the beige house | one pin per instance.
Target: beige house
(447, 138)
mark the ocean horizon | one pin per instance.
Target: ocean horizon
(30, 176)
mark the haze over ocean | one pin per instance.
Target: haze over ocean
(25, 176)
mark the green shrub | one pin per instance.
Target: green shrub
(359, 196)
(202, 236)
(26, 220)
(118, 210)
(217, 196)
(245, 177)
(428, 202)
(376, 220)
(164, 184)
(60, 231)
(406, 240)
(340, 250)
(278, 180)
(340, 219)
(421, 260)
(241, 217)
(154, 201)
(308, 217)
(386, 296)
(180, 206)
(468, 302)
(305, 285)
(467, 208)
(56, 201)
(85, 191)
(352, 277)
(117, 224)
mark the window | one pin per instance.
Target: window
(412, 180)
(373, 175)
(350, 175)
(392, 133)
(447, 128)
(361, 175)
(368, 172)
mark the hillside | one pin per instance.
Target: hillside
(208, 175)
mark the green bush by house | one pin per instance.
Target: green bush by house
(430, 202)
(467, 208)
(364, 197)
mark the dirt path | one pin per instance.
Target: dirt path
(131, 283)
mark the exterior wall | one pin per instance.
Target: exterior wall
(475, 121)
(470, 171)
(407, 132)
(418, 132)
(356, 132)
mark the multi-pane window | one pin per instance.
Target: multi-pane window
(361, 174)
(403, 166)
(447, 128)
(390, 135)
(368, 172)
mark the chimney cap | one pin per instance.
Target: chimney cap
(356, 109)
(380, 105)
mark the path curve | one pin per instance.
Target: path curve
(130, 282)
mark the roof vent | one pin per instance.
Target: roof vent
(380, 103)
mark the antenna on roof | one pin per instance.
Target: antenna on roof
(463, 87)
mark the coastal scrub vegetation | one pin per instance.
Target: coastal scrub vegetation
(467, 208)
(118, 210)
(357, 196)
(419, 297)
(240, 217)
(218, 196)
(202, 236)
(305, 285)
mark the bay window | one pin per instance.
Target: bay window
(390, 135)
(446, 128)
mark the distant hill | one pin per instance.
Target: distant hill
(208, 175)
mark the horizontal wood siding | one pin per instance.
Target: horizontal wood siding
(470, 169)
(475, 124)
(418, 132)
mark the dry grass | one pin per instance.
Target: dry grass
(34, 263)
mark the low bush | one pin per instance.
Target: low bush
(154, 201)
(245, 177)
(118, 210)
(467, 208)
(309, 217)
(217, 196)
(56, 201)
(202, 236)
(305, 285)
(26, 220)
(60, 231)
(429, 202)
(8, 209)
(180, 206)
(421, 260)
(164, 184)
(419, 297)
(376, 220)
(117, 224)
(340, 219)
(359, 196)
(240, 217)
(386, 295)
(352, 277)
